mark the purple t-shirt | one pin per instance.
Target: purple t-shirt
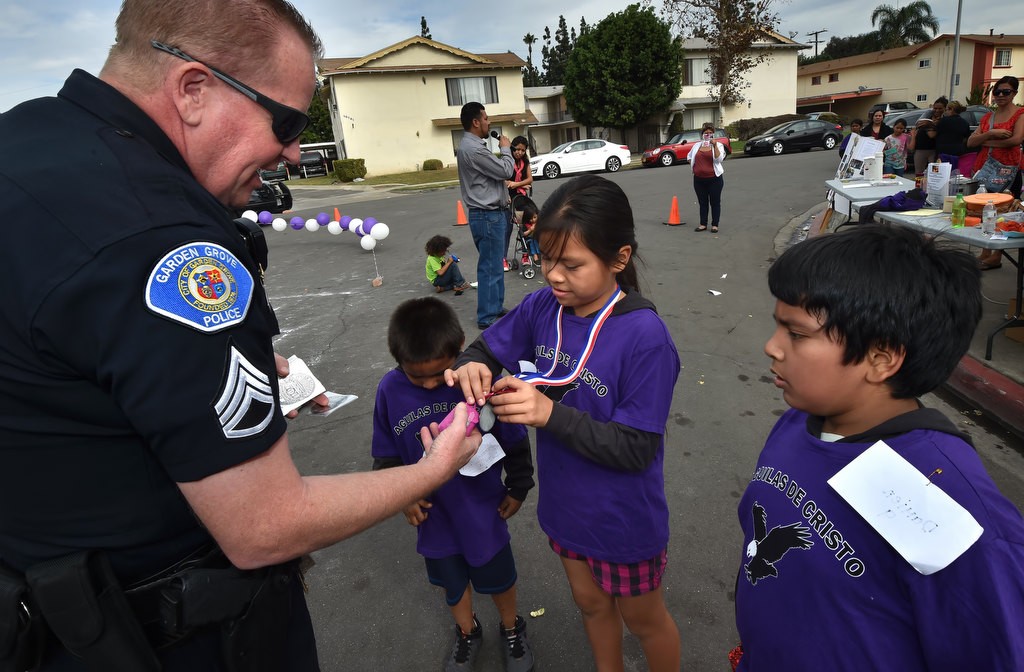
(464, 517)
(588, 508)
(848, 601)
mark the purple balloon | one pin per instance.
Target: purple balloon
(298, 223)
(344, 221)
(265, 217)
(323, 219)
(368, 223)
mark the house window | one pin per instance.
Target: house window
(924, 63)
(816, 80)
(462, 90)
(921, 97)
(1002, 58)
(834, 77)
(695, 71)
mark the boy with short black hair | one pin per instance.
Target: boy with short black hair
(867, 321)
(461, 529)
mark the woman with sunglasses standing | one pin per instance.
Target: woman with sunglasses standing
(999, 138)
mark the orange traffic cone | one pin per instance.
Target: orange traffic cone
(461, 219)
(673, 213)
(337, 215)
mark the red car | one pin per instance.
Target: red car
(678, 148)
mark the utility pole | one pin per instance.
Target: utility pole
(816, 41)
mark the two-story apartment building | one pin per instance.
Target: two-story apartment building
(919, 74)
(399, 106)
(555, 123)
(771, 90)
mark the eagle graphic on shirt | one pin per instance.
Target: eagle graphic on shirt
(767, 548)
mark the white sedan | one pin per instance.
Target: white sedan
(580, 156)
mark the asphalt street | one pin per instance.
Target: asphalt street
(371, 603)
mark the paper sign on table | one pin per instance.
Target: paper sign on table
(489, 452)
(299, 386)
(920, 521)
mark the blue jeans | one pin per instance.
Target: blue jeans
(709, 192)
(488, 228)
(452, 278)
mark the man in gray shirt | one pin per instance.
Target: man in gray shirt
(482, 177)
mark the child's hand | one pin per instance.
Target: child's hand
(416, 513)
(520, 403)
(473, 378)
(509, 506)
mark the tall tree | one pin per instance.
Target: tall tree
(531, 76)
(903, 26)
(557, 55)
(624, 70)
(319, 129)
(731, 28)
(842, 47)
(424, 30)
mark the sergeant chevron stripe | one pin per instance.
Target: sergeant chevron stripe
(246, 403)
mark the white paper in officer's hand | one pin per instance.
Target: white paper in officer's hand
(489, 452)
(299, 386)
(334, 402)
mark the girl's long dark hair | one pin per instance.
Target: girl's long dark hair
(597, 211)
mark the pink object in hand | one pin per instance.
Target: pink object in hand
(473, 418)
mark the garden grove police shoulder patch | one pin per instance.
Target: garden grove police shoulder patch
(201, 285)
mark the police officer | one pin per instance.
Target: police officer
(140, 421)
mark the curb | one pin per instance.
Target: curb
(1000, 397)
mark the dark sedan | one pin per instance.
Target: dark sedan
(801, 134)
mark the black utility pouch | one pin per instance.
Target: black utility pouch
(256, 640)
(87, 611)
(22, 631)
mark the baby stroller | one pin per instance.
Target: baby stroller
(521, 260)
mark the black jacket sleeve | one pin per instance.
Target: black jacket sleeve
(611, 444)
(519, 469)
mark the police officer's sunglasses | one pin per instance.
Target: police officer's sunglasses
(288, 123)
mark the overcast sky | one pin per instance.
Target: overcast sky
(43, 40)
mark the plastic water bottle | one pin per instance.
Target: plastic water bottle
(959, 216)
(988, 219)
(454, 258)
(981, 189)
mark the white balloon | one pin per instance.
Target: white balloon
(368, 243)
(312, 225)
(279, 224)
(380, 231)
(334, 228)
(354, 225)
(251, 215)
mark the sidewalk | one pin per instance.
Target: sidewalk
(994, 387)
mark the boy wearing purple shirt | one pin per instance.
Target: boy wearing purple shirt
(866, 322)
(461, 528)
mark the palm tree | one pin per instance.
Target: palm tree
(531, 77)
(903, 26)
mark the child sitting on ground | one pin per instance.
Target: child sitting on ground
(443, 268)
(461, 529)
(852, 365)
(530, 214)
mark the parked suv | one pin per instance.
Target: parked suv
(886, 108)
(677, 148)
(972, 115)
(310, 163)
(278, 174)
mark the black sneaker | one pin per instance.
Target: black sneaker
(518, 656)
(465, 649)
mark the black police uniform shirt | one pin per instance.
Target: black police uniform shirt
(136, 349)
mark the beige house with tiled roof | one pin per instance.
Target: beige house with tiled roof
(919, 74)
(399, 106)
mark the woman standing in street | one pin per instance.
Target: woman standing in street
(519, 185)
(922, 138)
(705, 159)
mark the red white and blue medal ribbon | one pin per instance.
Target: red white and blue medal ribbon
(588, 349)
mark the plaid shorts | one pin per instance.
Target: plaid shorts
(621, 580)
